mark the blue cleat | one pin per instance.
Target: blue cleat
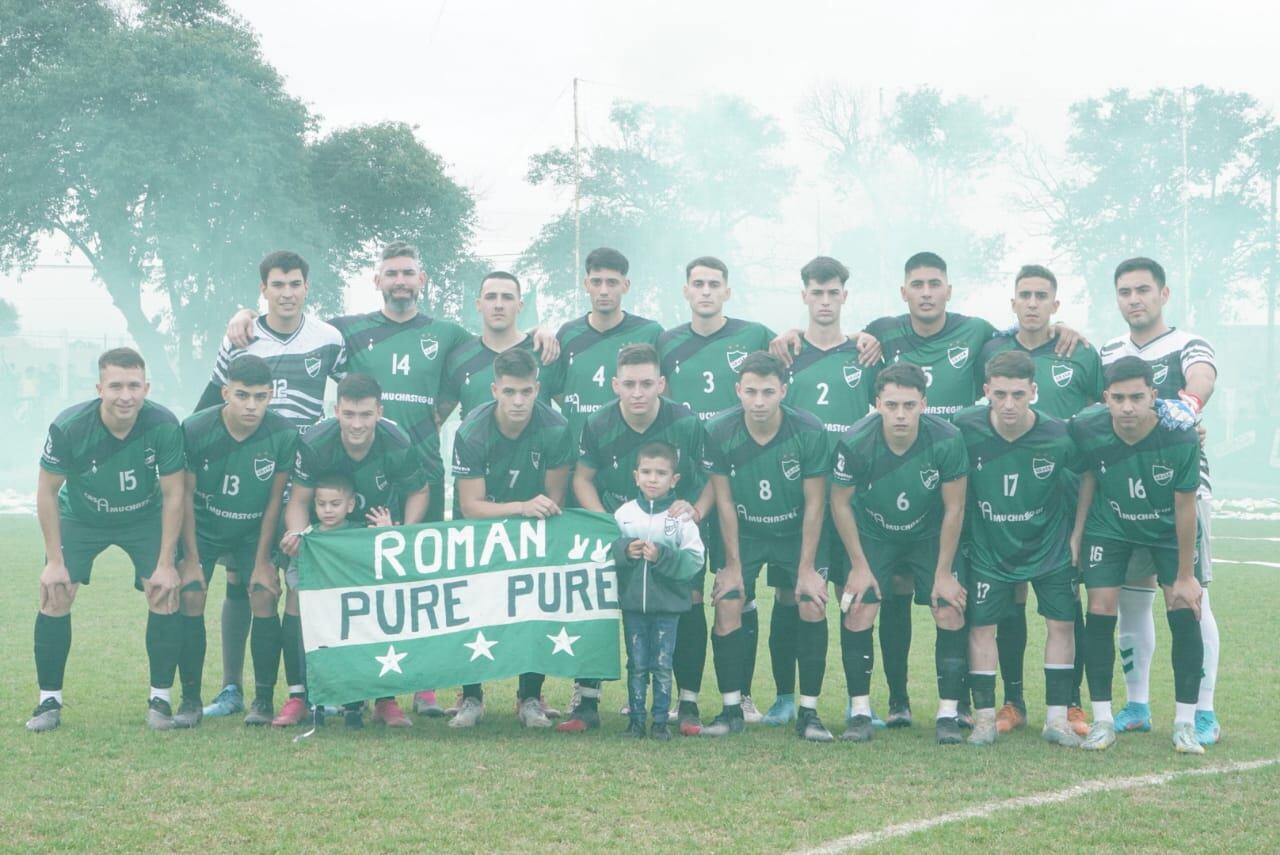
(876, 721)
(1134, 718)
(228, 702)
(1208, 731)
(782, 711)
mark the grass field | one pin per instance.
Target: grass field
(104, 782)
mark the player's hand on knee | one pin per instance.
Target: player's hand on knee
(162, 589)
(947, 591)
(811, 587)
(1186, 593)
(861, 581)
(265, 578)
(728, 585)
(55, 588)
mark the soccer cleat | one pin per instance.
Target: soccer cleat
(688, 718)
(227, 702)
(947, 731)
(1079, 723)
(469, 714)
(810, 728)
(1009, 718)
(660, 731)
(293, 712)
(389, 713)
(548, 711)
(159, 715)
(530, 713)
(1208, 731)
(750, 714)
(1134, 718)
(261, 712)
(782, 711)
(585, 717)
(353, 719)
(858, 728)
(1060, 731)
(876, 721)
(985, 727)
(964, 715)
(453, 708)
(725, 724)
(575, 700)
(1102, 735)
(635, 729)
(899, 714)
(189, 713)
(1185, 740)
(426, 705)
(45, 717)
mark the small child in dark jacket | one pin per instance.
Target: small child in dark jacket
(657, 558)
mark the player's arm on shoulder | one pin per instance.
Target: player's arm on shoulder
(786, 346)
(546, 343)
(1067, 339)
(241, 328)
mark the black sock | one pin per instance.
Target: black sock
(164, 640)
(264, 647)
(52, 646)
(983, 687)
(1188, 655)
(191, 655)
(811, 656)
(783, 633)
(895, 644)
(1077, 672)
(726, 653)
(1100, 655)
(530, 686)
(291, 649)
(857, 651)
(1057, 687)
(690, 658)
(750, 646)
(1011, 644)
(473, 690)
(949, 660)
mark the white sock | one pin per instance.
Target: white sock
(947, 709)
(56, 694)
(1184, 713)
(1055, 713)
(162, 694)
(1102, 711)
(861, 705)
(687, 696)
(808, 702)
(1137, 642)
(1208, 632)
(297, 690)
(732, 699)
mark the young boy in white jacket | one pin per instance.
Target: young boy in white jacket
(657, 558)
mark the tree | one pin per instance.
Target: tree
(8, 318)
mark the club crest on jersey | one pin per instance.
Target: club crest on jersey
(736, 358)
(264, 468)
(958, 355)
(1042, 467)
(380, 481)
(312, 364)
(930, 478)
(430, 347)
(1159, 374)
(149, 457)
(790, 468)
(535, 457)
(670, 526)
(1062, 374)
(853, 375)
(1161, 474)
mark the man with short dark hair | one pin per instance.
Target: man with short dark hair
(110, 475)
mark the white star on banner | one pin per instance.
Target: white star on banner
(563, 642)
(480, 647)
(390, 662)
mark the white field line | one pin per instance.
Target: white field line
(1250, 563)
(1085, 788)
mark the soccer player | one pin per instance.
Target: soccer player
(897, 498)
(238, 457)
(604, 479)
(1183, 368)
(391, 473)
(700, 361)
(1065, 385)
(1139, 490)
(110, 475)
(511, 457)
(767, 463)
(1020, 516)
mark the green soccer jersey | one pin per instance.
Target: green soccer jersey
(1021, 504)
(234, 477)
(1133, 501)
(111, 481)
(468, 374)
(701, 370)
(394, 467)
(583, 375)
(767, 481)
(407, 359)
(514, 470)
(1065, 385)
(832, 385)
(898, 497)
(609, 445)
(949, 357)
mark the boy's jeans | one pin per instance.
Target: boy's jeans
(651, 642)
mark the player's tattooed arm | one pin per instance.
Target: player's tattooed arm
(1185, 592)
(810, 587)
(584, 489)
(56, 590)
(861, 580)
(240, 329)
(945, 585)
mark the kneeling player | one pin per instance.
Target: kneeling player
(1021, 487)
(1139, 489)
(897, 499)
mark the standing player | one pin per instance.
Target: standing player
(301, 354)
(238, 458)
(1020, 515)
(767, 463)
(511, 457)
(1139, 489)
(1183, 368)
(1065, 385)
(897, 498)
(110, 475)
